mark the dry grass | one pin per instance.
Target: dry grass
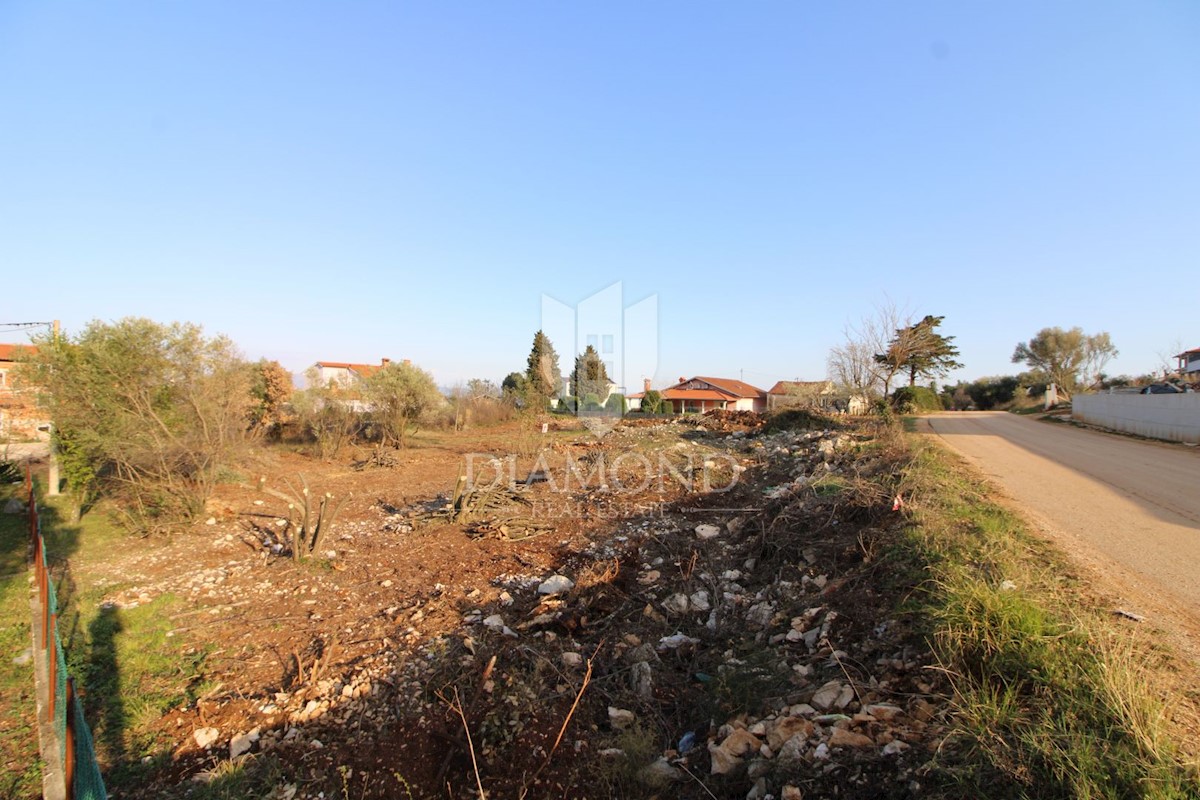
(1051, 692)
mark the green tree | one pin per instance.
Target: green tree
(920, 351)
(1066, 358)
(652, 402)
(542, 373)
(589, 377)
(398, 396)
(146, 412)
(330, 413)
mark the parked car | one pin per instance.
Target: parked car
(1162, 388)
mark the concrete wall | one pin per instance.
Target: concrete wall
(1175, 417)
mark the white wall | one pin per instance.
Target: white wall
(1175, 417)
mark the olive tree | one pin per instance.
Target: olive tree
(147, 412)
(1067, 358)
(397, 397)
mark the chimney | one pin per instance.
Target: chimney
(383, 362)
(682, 379)
(408, 362)
(645, 384)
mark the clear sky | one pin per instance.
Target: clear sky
(345, 181)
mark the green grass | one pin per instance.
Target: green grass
(129, 671)
(20, 766)
(1054, 699)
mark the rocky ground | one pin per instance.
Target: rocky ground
(744, 641)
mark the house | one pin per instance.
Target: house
(634, 401)
(342, 373)
(817, 395)
(801, 394)
(20, 416)
(700, 394)
(1189, 364)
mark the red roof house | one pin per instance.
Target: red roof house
(700, 394)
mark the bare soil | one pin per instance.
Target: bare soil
(344, 674)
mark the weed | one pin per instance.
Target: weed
(1049, 693)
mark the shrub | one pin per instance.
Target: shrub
(145, 411)
(616, 404)
(915, 399)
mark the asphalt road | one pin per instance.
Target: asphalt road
(1127, 507)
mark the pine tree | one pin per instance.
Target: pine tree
(589, 376)
(542, 372)
(920, 351)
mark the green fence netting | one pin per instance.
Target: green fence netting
(60, 692)
(87, 782)
(89, 785)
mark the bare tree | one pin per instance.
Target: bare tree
(853, 364)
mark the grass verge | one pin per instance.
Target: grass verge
(21, 774)
(1054, 697)
(128, 665)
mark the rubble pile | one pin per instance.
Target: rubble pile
(759, 653)
(727, 421)
(732, 644)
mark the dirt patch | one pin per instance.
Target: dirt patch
(708, 613)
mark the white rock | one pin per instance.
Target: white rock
(699, 601)
(707, 531)
(894, 747)
(675, 641)
(495, 622)
(556, 584)
(676, 603)
(506, 599)
(827, 695)
(641, 678)
(660, 773)
(206, 737)
(240, 744)
(621, 718)
(572, 659)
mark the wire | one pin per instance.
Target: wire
(18, 325)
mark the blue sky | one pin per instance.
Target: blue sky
(355, 180)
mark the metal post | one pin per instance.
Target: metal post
(45, 598)
(69, 760)
(52, 672)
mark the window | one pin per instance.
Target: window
(608, 343)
